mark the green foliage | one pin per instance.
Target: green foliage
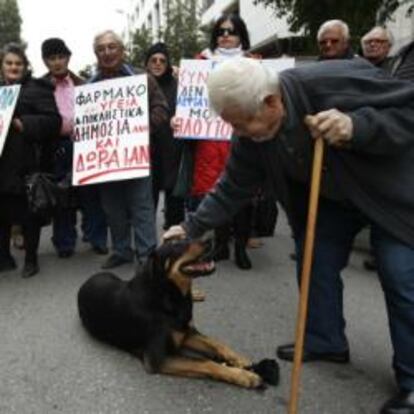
(308, 15)
(86, 72)
(141, 42)
(181, 33)
(10, 22)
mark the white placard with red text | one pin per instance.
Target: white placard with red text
(8, 99)
(192, 113)
(111, 131)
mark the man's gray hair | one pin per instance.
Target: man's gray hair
(384, 30)
(333, 23)
(117, 38)
(241, 82)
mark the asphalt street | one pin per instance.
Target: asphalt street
(49, 364)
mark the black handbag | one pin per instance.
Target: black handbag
(42, 193)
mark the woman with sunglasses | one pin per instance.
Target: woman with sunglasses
(165, 150)
(229, 39)
(36, 121)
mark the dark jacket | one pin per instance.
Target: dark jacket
(24, 152)
(77, 80)
(348, 54)
(375, 173)
(400, 59)
(165, 149)
(62, 160)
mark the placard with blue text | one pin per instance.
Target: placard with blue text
(8, 99)
(193, 117)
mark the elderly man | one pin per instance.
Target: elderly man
(367, 180)
(128, 204)
(333, 40)
(376, 46)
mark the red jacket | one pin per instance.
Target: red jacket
(210, 157)
(209, 160)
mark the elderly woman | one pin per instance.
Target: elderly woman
(35, 121)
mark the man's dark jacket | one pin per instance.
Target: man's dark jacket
(375, 173)
(401, 58)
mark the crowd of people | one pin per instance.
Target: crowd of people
(362, 105)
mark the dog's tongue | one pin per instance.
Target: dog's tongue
(201, 267)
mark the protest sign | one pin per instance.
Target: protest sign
(193, 117)
(8, 99)
(111, 131)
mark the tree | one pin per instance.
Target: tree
(10, 22)
(181, 33)
(140, 43)
(86, 72)
(308, 15)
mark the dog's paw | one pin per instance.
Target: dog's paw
(249, 379)
(236, 360)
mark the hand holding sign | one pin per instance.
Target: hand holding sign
(18, 125)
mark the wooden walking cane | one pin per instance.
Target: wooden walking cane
(306, 273)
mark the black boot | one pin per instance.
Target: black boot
(7, 263)
(221, 251)
(240, 255)
(221, 243)
(31, 267)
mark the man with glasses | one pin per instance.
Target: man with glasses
(333, 40)
(376, 45)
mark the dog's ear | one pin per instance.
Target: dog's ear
(154, 266)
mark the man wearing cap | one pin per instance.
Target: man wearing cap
(56, 56)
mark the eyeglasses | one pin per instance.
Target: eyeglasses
(380, 41)
(226, 31)
(111, 47)
(160, 60)
(328, 41)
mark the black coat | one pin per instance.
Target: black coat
(28, 151)
(165, 149)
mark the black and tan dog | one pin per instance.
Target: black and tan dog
(151, 316)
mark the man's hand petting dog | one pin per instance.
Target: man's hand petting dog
(174, 232)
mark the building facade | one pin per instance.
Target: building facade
(269, 35)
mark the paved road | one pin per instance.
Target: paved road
(48, 364)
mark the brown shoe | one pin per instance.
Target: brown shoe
(254, 243)
(198, 295)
